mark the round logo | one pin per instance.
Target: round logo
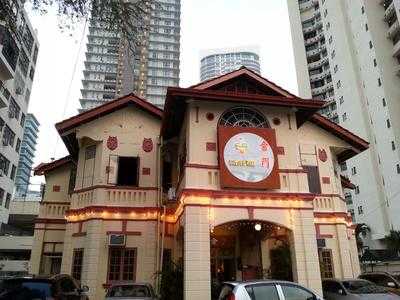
(249, 157)
(147, 145)
(112, 143)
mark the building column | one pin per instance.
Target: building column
(197, 277)
(36, 253)
(93, 262)
(345, 252)
(66, 262)
(305, 261)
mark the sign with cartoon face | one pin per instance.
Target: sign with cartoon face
(248, 158)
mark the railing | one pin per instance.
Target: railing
(393, 29)
(10, 49)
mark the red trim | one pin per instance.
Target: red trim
(43, 168)
(200, 166)
(326, 180)
(242, 71)
(56, 202)
(77, 234)
(136, 233)
(49, 221)
(342, 133)
(112, 209)
(296, 171)
(280, 150)
(321, 236)
(211, 146)
(110, 219)
(245, 207)
(49, 229)
(107, 108)
(113, 187)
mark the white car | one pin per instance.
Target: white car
(131, 291)
(266, 290)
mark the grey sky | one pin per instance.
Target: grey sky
(205, 24)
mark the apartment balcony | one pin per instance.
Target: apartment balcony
(307, 5)
(9, 52)
(394, 29)
(319, 63)
(390, 11)
(313, 52)
(396, 49)
(16, 242)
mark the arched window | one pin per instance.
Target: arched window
(243, 117)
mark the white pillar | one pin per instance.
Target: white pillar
(197, 277)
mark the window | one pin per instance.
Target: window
(366, 27)
(12, 174)
(379, 82)
(8, 200)
(343, 166)
(243, 117)
(90, 152)
(344, 117)
(330, 40)
(123, 170)
(370, 45)
(362, 9)
(360, 210)
(335, 68)
(22, 121)
(18, 145)
(388, 123)
(1, 196)
(353, 171)
(292, 292)
(375, 63)
(333, 54)
(314, 182)
(341, 100)
(77, 262)
(383, 102)
(326, 263)
(122, 264)
(357, 189)
(398, 168)
(8, 137)
(393, 146)
(262, 291)
(4, 165)
(338, 84)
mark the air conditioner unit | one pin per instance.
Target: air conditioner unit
(116, 240)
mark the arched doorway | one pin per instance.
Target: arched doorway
(248, 250)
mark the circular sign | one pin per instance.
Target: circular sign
(249, 157)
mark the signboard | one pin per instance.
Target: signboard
(248, 158)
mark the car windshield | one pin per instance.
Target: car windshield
(135, 291)
(363, 287)
(25, 289)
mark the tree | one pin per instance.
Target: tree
(392, 241)
(131, 18)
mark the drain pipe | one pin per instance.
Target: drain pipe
(159, 195)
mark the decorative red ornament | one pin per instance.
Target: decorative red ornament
(276, 121)
(210, 116)
(322, 155)
(147, 145)
(112, 143)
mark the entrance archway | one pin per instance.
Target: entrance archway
(248, 250)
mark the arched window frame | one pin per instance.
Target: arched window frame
(245, 116)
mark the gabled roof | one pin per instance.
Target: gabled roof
(244, 73)
(109, 107)
(43, 168)
(240, 86)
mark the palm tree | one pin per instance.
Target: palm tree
(392, 241)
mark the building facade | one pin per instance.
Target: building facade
(18, 55)
(222, 184)
(112, 69)
(27, 154)
(218, 62)
(347, 53)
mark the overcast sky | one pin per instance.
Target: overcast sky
(205, 24)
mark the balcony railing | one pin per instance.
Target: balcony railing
(394, 29)
(9, 54)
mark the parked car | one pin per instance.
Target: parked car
(388, 280)
(58, 287)
(131, 291)
(352, 289)
(265, 290)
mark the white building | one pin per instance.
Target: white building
(18, 55)
(112, 70)
(218, 62)
(348, 53)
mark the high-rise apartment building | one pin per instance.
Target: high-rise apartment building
(348, 53)
(26, 156)
(217, 62)
(112, 69)
(18, 55)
